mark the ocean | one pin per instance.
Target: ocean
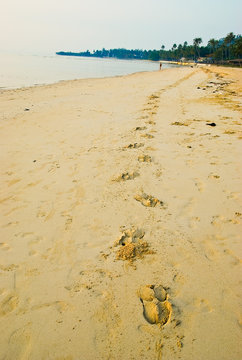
(27, 70)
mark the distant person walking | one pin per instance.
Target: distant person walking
(160, 65)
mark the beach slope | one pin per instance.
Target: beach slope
(121, 218)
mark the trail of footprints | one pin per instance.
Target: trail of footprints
(131, 247)
(149, 110)
(131, 244)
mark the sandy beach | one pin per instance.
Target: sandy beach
(121, 218)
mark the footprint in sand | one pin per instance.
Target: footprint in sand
(148, 200)
(178, 123)
(19, 344)
(143, 117)
(140, 128)
(235, 259)
(130, 235)
(150, 122)
(220, 219)
(155, 106)
(8, 304)
(229, 132)
(213, 176)
(131, 245)
(144, 158)
(147, 136)
(68, 221)
(54, 165)
(147, 109)
(156, 307)
(4, 246)
(231, 195)
(126, 176)
(134, 146)
(11, 223)
(153, 97)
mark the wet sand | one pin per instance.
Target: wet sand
(121, 218)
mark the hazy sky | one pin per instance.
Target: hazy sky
(46, 26)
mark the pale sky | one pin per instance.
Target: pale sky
(47, 26)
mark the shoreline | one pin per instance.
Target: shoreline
(53, 69)
(175, 63)
(2, 90)
(121, 212)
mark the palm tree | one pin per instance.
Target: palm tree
(196, 43)
(174, 47)
(228, 41)
(162, 52)
(179, 51)
(184, 49)
(238, 46)
(212, 43)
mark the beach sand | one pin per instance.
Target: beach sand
(121, 218)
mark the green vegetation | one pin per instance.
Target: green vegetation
(223, 51)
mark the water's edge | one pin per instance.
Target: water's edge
(20, 71)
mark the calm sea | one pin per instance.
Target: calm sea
(27, 70)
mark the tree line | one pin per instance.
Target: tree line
(216, 51)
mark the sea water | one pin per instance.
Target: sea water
(27, 70)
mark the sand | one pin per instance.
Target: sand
(121, 218)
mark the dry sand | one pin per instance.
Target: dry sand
(121, 217)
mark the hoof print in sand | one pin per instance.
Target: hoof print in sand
(156, 307)
(132, 245)
(8, 304)
(148, 200)
(140, 128)
(134, 146)
(153, 96)
(144, 158)
(151, 122)
(126, 176)
(178, 123)
(148, 136)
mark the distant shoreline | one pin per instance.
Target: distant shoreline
(225, 51)
(172, 62)
(18, 71)
(232, 63)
